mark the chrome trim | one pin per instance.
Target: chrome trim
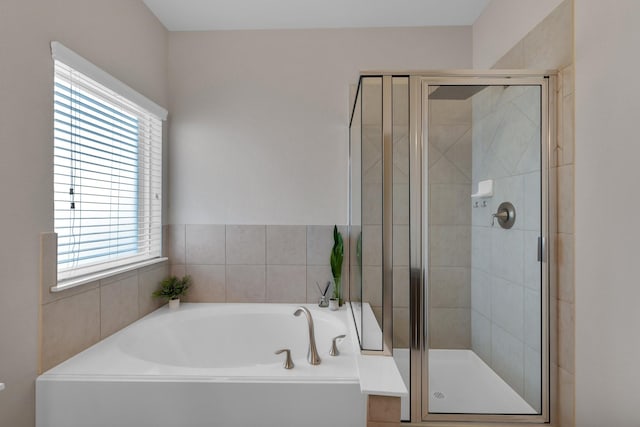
(419, 82)
(416, 270)
(312, 354)
(387, 215)
(334, 346)
(288, 363)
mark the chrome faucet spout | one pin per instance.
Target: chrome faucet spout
(312, 354)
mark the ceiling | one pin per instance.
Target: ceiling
(206, 15)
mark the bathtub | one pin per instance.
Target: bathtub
(209, 365)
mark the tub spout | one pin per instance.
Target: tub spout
(312, 354)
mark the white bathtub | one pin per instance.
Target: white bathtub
(209, 365)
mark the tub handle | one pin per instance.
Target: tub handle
(334, 347)
(288, 363)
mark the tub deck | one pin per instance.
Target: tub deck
(141, 376)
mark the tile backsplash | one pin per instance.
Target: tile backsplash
(75, 319)
(253, 263)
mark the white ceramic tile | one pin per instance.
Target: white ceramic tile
(507, 357)
(149, 279)
(401, 328)
(69, 325)
(176, 240)
(449, 204)
(532, 202)
(481, 336)
(246, 283)
(549, 46)
(401, 279)
(371, 245)
(512, 137)
(287, 244)
(565, 264)
(507, 255)
(532, 319)
(286, 283)
(566, 336)
(401, 248)
(118, 303)
(450, 246)
(401, 204)
(481, 292)
(205, 244)
(319, 244)
(372, 204)
(460, 154)
(507, 306)
(532, 267)
(372, 285)
(532, 378)
(450, 328)
(481, 248)
(450, 287)
(444, 171)
(208, 283)
(444, 136)
(245, 244)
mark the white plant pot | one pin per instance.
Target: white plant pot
(334, 304)
(174, 304)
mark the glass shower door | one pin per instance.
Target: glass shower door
(484, 271)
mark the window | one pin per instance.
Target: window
(107, 171)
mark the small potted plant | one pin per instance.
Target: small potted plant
(337, 254)
(173, 288)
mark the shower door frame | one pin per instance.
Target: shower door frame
(419, 83)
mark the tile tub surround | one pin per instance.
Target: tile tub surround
(254, 263)
(77, 318)
(449, 224)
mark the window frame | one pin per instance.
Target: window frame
(147, 164)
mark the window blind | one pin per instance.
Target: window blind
(107, 177)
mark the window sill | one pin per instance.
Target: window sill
(63, 285)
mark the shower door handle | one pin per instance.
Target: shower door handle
(414, 310)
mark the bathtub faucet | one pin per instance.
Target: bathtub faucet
(312, 354)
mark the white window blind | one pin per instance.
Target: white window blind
(107, 177)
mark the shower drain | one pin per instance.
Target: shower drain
(438, 395)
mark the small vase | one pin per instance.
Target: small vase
(174, 304)
(337, 290)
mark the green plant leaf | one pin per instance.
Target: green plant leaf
(337, 253)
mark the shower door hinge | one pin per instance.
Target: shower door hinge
(541, 249)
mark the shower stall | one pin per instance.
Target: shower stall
(449, 232)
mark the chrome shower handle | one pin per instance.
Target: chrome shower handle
(288, 363)
(506, 215)
(500, 215)
(334, 347)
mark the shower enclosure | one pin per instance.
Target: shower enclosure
(449, 223)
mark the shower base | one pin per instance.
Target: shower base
(460, 382)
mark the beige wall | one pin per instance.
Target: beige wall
(607, 251)
(259, 128)
(125, 39)
(502, 24)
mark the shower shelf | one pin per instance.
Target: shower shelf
(485, 189)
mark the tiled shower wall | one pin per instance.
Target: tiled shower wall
(254, 263)
(550, 46)
(505, 274)
(449, 223)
